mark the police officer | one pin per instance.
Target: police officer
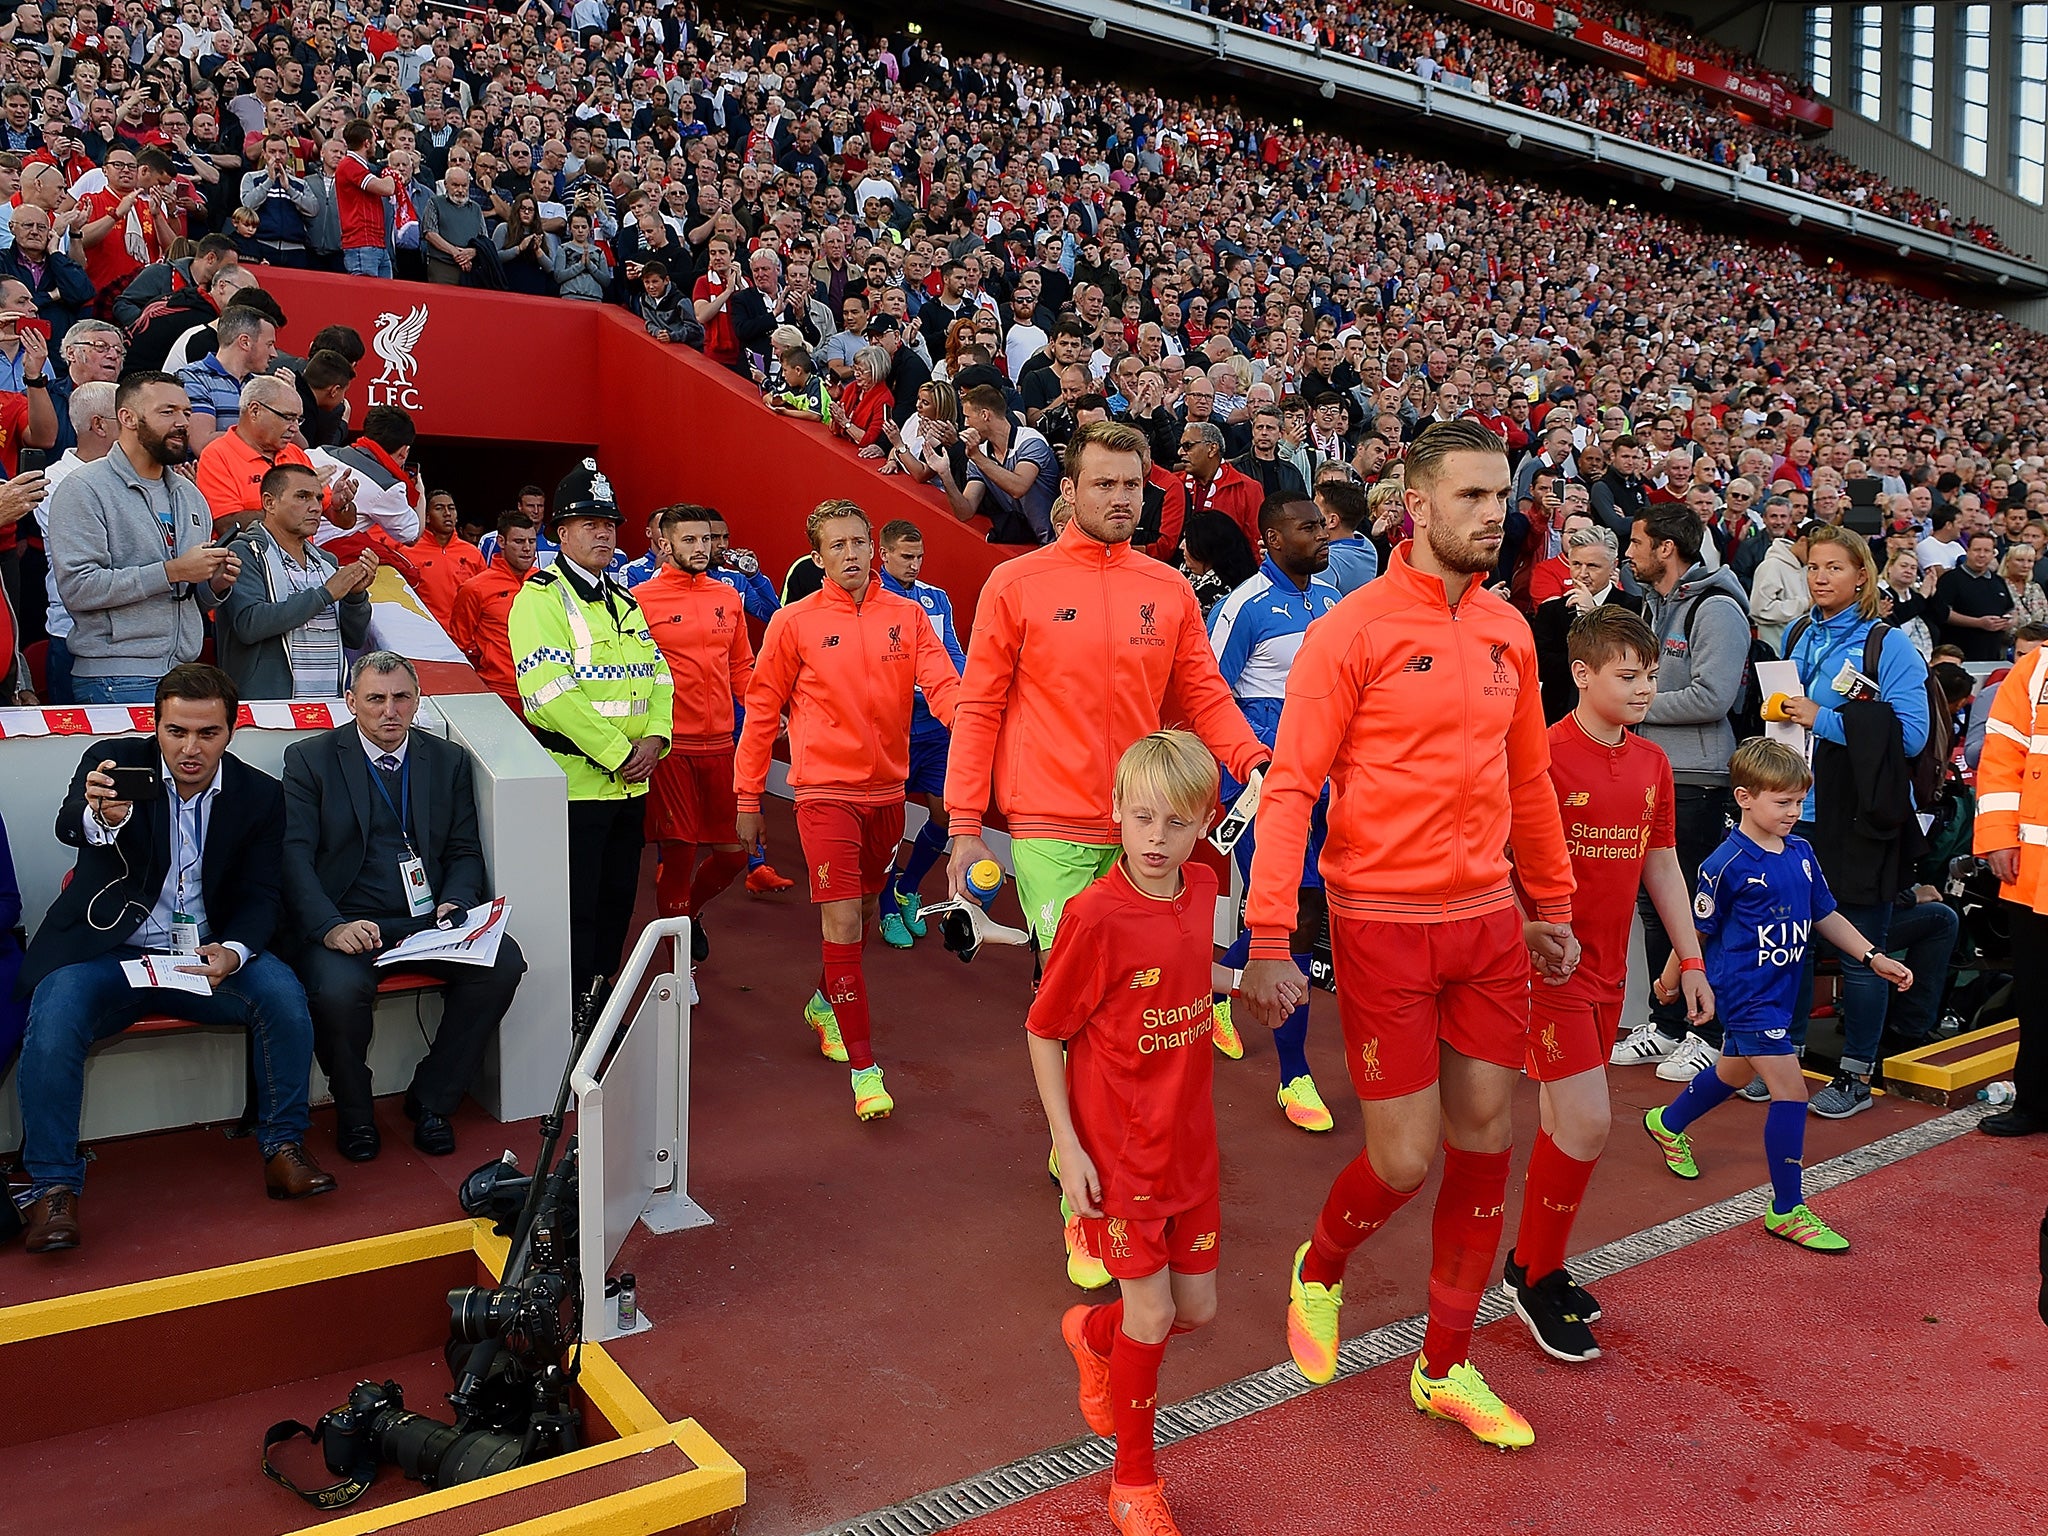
(597, 695)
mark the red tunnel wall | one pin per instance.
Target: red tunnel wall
(667, 424)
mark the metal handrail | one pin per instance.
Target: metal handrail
(584, 1078)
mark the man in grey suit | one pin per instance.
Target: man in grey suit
(380, 842)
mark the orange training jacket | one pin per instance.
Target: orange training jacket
(702, 630)
(846, 675)
(1427, 721)
(1074, 649)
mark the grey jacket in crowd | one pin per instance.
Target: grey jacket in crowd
(581, 272)
(249, 641)
(1697, 683)
(106, 548)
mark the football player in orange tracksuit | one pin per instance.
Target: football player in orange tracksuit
(443, 558)
(1417, 700)
(701, 627)
(478, 623)
(845, 662)
(1075, 649)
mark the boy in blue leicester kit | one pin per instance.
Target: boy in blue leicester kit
(1761, 901)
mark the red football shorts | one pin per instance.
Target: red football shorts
(1131, 1250)
(848, 848)
(690, 800)
(1403, 988)
(1568, 1035)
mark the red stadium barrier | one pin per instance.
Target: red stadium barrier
(667, 425)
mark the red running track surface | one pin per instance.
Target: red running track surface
(1746, 1387)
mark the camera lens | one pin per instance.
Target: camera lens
(476, 1312)
(438, 1454)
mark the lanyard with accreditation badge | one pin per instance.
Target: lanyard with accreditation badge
(412, 873)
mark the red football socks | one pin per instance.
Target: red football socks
(1101, 1326)
(847, 991)
(717, 872)
(1551, 1196)
(1466, 1235)
(1134, 1400)
(1360, 1203)
(672, 883)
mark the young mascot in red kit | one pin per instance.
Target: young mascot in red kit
(1120, 1049)
(1614, 793)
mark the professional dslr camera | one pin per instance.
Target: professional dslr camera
(512, 1348)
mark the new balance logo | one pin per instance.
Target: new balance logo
(1203, 1243)
(1145, 978)
(1418, 664)
(1577, 797)
(829, 641)
(1063, 615)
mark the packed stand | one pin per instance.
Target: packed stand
(1457, 50)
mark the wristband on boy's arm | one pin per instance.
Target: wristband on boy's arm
(1692, 963)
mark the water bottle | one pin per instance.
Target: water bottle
(984, 880)
(1995, 1094)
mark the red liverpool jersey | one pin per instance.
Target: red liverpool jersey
(1616, 804)
(1127, 988)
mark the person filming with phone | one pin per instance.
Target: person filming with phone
(180, 846)
(130, 545)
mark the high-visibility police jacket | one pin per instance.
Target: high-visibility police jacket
(2012, 779)
(592, 682)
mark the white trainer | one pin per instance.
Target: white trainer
(1692, 1057)
(1641, 1046)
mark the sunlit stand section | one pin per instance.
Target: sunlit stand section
(633, 1120)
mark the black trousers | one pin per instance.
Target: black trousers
(341, 994)
(605, 841)
(1700, 816)
(2030, 1003)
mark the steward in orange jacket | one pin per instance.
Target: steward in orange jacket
(2011, 834)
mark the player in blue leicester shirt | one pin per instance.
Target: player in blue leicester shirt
(902, 550)
(1255, 632)
(649, 564)
(740, 570)
(1761, 901)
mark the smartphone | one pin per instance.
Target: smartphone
(32, 459)
(28, 323)
(133, 784)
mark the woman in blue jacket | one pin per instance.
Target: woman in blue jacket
(1832, 640)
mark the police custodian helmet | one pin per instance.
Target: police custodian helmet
(584, 492)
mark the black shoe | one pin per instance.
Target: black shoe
(1558, 1326)
(358, 1143)
(2013, 1122)
(432, 1133)
(1583, 1301)
(700, 945)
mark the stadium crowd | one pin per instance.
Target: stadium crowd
(962, 265)
(1458, 51)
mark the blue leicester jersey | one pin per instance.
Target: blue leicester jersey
(1755, 911)
(1256, 632)
(939, 609)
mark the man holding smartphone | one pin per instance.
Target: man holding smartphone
(180, 855)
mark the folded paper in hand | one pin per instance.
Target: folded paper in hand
(466, 938)
(162, 971)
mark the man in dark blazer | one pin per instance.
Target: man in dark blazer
(1593, 559)
(191, 865)
(380, 841)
